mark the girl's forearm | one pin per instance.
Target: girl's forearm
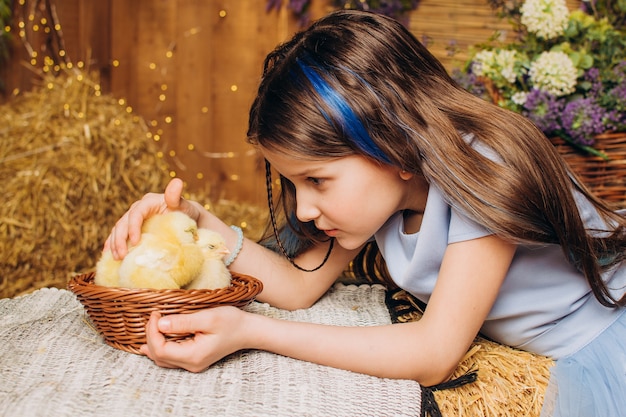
(283, 285)
(390, 351)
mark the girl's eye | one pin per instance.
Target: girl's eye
(314, 181)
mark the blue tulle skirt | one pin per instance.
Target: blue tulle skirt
(592, 381)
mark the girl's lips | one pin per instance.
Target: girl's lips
(331, 232)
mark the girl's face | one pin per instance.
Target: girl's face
(348, 198)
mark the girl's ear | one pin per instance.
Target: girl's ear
(405, 175)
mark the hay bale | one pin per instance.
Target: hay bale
(71, 162)
(511, 382)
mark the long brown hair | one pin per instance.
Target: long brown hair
(415, 116)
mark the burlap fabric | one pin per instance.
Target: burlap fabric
(52, 363)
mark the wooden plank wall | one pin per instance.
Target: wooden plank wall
(190, 68)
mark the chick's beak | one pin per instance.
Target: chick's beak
(223, 250)
(194, 233)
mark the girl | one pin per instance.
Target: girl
(471, 207)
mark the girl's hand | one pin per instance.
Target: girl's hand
(218, 332)
(128, 227)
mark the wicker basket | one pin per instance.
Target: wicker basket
(605, 178)
(121, 314)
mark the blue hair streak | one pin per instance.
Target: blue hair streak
(343, 115)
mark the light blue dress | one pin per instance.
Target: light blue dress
(544, 306)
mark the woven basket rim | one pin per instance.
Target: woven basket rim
(83, 285)
(120, 314)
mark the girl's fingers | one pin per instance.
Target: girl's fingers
(173, 193)
(166, 353)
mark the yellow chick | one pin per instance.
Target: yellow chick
(166, 257)
(107, 270)
(214, 272)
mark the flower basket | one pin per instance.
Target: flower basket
(566, 72)
(120, 314)
(606, 178)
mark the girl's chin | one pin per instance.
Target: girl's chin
(349, 244)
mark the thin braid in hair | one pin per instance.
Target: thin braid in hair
(270, 200)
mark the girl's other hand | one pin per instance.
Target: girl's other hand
(128, 227)
(217, 332)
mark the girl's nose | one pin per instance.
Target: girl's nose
(306, 209)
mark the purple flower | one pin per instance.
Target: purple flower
(582, 119)
(273, 4)
(592, 76)
(298, 6)
(392, 8)
(468, 81)
(544, 110)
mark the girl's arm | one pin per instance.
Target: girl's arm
(284, 286)
(427, 350)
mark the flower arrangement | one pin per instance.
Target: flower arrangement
(566, 71)
(393, 8)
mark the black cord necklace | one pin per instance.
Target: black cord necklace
(270, 202)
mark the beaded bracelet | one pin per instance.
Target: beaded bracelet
(237, 249)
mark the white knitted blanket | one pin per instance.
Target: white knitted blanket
(52, 363)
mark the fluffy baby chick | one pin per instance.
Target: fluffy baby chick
(107, 270)
(214, 272)
(167, 256)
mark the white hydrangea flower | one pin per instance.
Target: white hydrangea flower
(519, 98)
(545, 18)
(495, 64)
(554, 72)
